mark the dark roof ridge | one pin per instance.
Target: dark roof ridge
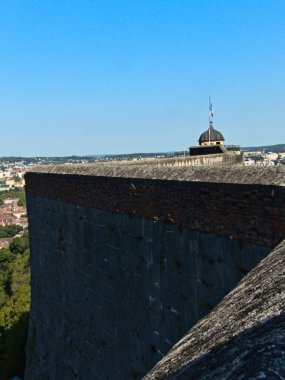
(211, 134)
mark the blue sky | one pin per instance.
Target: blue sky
(120, 76)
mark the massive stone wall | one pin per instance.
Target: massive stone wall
(123, 267)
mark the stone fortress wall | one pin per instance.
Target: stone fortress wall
(125, 259)
(230, 158)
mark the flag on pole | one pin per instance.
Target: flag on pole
(211, 109)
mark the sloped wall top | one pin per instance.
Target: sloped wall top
(242, 338)
(242, 175)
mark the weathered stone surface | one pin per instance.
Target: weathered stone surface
(242, 338)
(243, 175)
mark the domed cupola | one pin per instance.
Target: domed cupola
(211, 137)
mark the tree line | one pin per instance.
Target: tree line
(14, 306)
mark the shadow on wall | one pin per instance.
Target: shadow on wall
(259, 351)
(13, 347)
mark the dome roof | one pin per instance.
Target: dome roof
(211, 135)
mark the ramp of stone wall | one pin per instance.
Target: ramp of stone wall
(242, 338)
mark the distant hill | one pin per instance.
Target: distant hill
(268, 148)
(127, 156)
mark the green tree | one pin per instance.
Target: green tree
(14, 307)
(14, 193)
(17, 178)
(10, 230)
(19, 245)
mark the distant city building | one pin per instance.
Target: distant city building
(5, 242)
(4, 187)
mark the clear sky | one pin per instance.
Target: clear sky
(120, 76)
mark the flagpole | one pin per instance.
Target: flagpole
(209, 119)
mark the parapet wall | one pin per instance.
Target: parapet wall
(126, 259)
(218, 159)
(252, 212)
